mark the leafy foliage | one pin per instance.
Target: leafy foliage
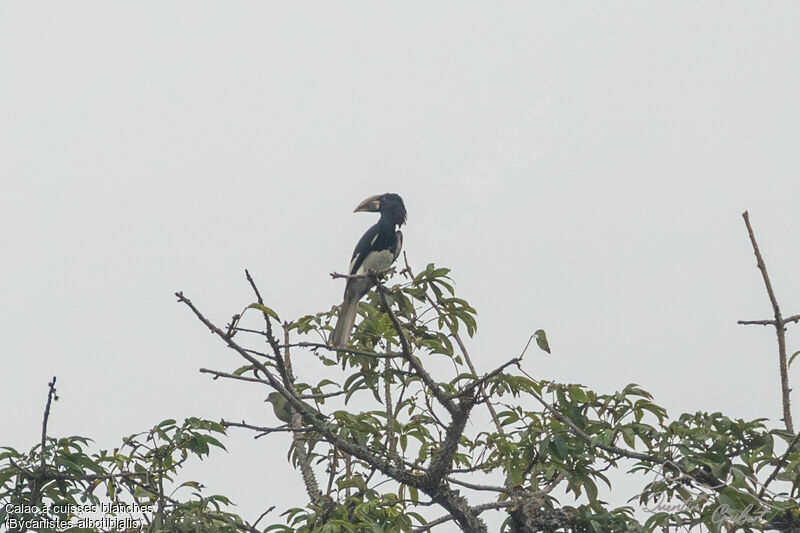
(394, 429)
(65, 482)
(712, 470)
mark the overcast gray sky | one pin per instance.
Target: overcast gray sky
(581, 167)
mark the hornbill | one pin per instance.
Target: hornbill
(375, 252)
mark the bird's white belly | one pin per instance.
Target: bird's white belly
(376, 262)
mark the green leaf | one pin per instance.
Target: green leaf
(591, 490)
(242, 369)
(559, 447)
(628, 436)
(5, 475)
(264, 309)
(279, 527)
(795, 354)
(541, 340)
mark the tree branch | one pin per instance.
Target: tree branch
(780, 464)
(462, 347)
(478, 509)
(436, 390)
(253, 285)
(458, 507)
(481, 381)
(313, 418)
(793, 318)
(51, 394)
(263, 430)
(320, 346)
(473, 486)
(390, 413)
(780, 327)
(303, 458)
(218, 374)
(40, 477)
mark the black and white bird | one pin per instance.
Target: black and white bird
(375, 252)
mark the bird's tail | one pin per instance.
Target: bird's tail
(347, 317)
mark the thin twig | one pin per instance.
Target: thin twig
(318, 345)
(265, 513)
(372, 275)
(247, 330)
(780, 328)
(478, 509)
(461, 347)
(473, 486)
(322, 395)
(436, 390)
(387, 398)
(253, 285)
(480, 382)
(793, 318)
(780, 464)
(302, 452)
(51, 394)
(218, 374)
(314, 418)
(332, 466)
(262, 431)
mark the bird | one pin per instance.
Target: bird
(283, 413)
(283, 409)
(278, 402)
(375, 252)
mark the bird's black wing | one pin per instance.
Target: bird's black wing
(363, 247)
(375, 252)
(377, 240)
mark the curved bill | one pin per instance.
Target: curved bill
(372, 204)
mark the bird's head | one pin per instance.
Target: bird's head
(389, 205)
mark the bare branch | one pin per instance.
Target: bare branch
(780, 327)
(253, 285)
(265, 513)
(51, 394)
(372, 275)
(390, 414)
(478, 509)
(218, 374)
(332, 467)
(480, 382)
(473, 486)
(793, 318)
(303, 458)
(320, 346)
(263, 430)
(39, 477)
(756, 322)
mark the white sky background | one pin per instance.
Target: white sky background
(581, 167)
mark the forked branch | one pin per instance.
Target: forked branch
(780, 327)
